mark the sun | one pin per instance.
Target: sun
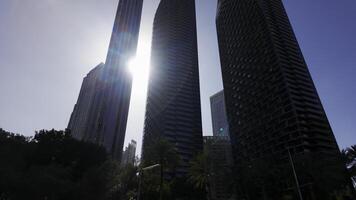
(139, 66)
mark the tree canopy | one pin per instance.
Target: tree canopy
(54, 166)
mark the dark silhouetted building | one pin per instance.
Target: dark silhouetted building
(173, 103)
(220, 165)
(107, 118)
(129, 154)
(79, 118)
(272, 105)
(218, 114)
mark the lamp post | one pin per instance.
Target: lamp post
(140, 176)
(295, 175)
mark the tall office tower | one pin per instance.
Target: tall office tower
(79, 119)
(107, 118)
(273, 106)
(173, 104)
(218, 114)
(128, 156)
(218, 150)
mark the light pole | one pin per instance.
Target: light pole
(295, 175)
(140, 176)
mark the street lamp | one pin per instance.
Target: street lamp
(295, 175)
(140, 174)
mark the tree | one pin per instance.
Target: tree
(52, 165)
(352, 153)
(128, 182)
(212, 169)
(161, 152)
(200, 171)
(102, 182)
(349, 157)
(15, 151)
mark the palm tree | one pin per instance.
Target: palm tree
(352, 153)
(199, 171)
(161, 152)
(349, 157)
(207, 169)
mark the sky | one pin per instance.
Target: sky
(48, 46)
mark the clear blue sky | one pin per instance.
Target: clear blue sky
(47, 47)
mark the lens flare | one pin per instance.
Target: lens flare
(139, 66)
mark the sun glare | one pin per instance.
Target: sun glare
(139, 68)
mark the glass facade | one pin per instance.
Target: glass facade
(218, 114)
(272, 104)
(173, 103)
(107, 117)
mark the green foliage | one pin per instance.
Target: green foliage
(54, 166)
(206, 174)
(200, 171)
(161, 152)
(160, 182)
(128, 180)
(349, 157)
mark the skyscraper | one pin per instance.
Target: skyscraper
(107, 118)
(220, 165)
(272, 105)
(173, 103)
(218, 114)
(79, 119)
(129, 155)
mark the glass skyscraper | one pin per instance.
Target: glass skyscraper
(107, 117)
(220, 165)
(218, 114)
(273, 107)
(79, 119)
(173, 104)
